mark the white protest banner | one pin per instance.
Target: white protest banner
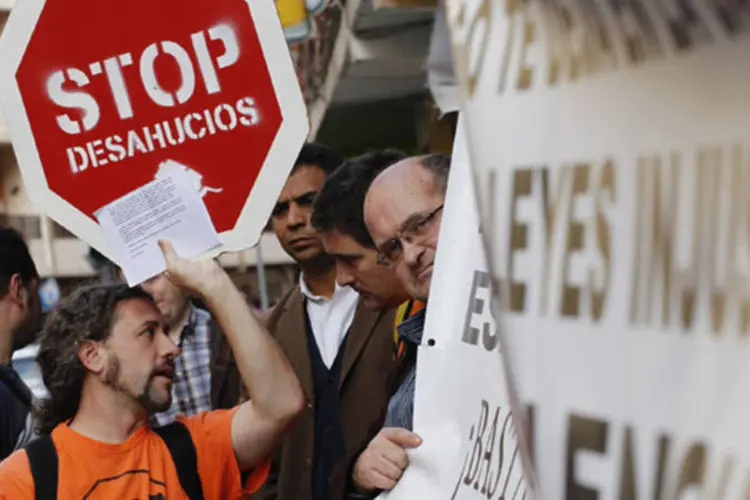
(610, 142)
(461, 410)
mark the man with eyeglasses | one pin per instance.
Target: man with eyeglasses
(338, 342)
(403, 210)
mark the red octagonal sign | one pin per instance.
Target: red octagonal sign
(100, 96)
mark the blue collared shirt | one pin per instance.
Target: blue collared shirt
(401, 406)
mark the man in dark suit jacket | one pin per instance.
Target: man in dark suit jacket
(338, 216)
(340, 343)
(19, 318)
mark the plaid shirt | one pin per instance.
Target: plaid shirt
(191, 390)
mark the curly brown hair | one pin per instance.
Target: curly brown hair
(86, 314)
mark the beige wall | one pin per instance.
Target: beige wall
(13, 197)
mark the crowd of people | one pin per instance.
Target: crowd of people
(151, 396)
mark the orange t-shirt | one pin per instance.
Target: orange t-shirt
(139, 468)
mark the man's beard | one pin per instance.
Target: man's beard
(145, 398)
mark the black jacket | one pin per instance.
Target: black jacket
(15, 405)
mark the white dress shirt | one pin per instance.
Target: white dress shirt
(330, 319)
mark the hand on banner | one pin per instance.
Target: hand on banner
(197, 276)
(381, 465)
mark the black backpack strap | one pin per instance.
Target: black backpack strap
(44, 467)
(180, 444)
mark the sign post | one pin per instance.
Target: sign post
(102, 97)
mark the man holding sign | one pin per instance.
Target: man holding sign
(403, 211)
(108, 362)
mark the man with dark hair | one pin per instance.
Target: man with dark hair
(340, 350)
(20, 310)
(319, 155)
(402, 210)
(338, 218)
(290, 217)
(108, 362)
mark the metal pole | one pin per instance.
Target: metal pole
(261, 270)
(48, 239)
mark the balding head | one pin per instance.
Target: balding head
(403, 210)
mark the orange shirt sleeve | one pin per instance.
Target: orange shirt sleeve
(217, 464)
(16, 482)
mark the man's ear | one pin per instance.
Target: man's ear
(92, 357)
(16, 289)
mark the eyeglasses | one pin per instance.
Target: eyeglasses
(417, 227)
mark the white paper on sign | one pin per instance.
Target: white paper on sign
(165, 208)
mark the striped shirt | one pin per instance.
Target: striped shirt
(191, 389)
(401, 406)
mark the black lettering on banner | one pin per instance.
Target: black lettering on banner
(574, 242)
(488, 488)
(705, 194)
(662, 468)
(674, 189)
(734, 15)
(639, 32)
(627, 471)
(518, 241)
(478, 29)
(573, 40)
(628, 489)
(472, 429)
(659, 466)
(530, 414)
(693, 469)
(479, 314)
(473, 470)
(511, 8)
(605, 189)
(686, 25)
(550, 208)
(583, 434)
(491, 462)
